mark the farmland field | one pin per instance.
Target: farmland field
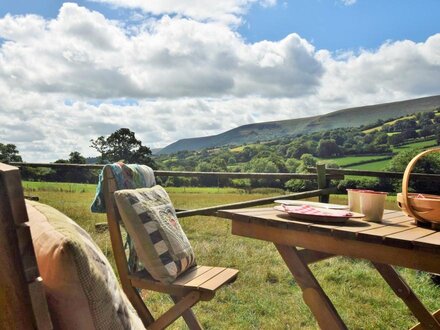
(345, 161)
(375, 166)
(391, 122)
(264, 296)
(421, 144)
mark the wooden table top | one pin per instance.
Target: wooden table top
(396, 229)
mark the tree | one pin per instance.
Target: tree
(69, 174)
(122, 145)
(76, 158)
(428, 164)
(9, 153)
(328, 148)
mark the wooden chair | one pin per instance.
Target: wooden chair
(196, 284)
(23, 303)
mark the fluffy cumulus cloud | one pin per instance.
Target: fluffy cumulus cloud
(67, 80)
(225, 11)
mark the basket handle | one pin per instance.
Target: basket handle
(405, 181)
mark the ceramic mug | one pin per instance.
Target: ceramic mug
(354, 199)
(372, 204)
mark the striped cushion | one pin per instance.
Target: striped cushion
(160, 242)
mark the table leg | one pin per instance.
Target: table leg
(313, 295)
(404, 292)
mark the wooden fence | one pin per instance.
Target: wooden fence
(321, 174)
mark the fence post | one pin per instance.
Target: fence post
(322, 182)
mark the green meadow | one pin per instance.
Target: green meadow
(346, 161)
(378, 163)
(264, 296)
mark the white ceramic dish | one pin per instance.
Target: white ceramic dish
(325, 215)
(314, 204)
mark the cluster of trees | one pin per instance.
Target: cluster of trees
(9, 153)
(121, 145)
(422, 124)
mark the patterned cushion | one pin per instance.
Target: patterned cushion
(81, 287)
(128, 176)
(160, 242)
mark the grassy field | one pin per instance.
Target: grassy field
(375, 166)
(265, 296)
(345, 161)
(391, 122)
(381, 164)
(422, 144)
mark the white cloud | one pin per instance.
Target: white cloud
(81, 53)
(348, 2)
(225, 11)
(179, 78)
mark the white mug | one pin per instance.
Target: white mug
(372, 205)
(354, 199)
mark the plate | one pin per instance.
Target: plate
(309, 213)
(314, 204)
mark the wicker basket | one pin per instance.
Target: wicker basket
(424, 208)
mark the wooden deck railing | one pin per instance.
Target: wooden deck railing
(321, 174)
(378, 174)
(322, 178)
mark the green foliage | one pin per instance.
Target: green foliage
(345, 147)
(76, 158)
(9, 153)
(365, 183)
(428, 164)
(122, 145)
(328, 148)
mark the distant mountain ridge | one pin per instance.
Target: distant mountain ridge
(351, 117)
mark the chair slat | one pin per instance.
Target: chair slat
(226, 276)
(199, 280)
(191, 274)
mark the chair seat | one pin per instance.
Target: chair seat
(199, 278)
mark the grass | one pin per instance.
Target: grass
(375, 166)
(391, 122)
(265, 296)
(346, 161)
(419, 145)
(381, 164)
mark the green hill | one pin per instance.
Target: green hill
(351, 117)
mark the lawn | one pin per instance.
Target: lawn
(375, 166)
(346, 161)
(265, 296)
(418, 145)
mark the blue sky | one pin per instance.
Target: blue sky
(332, 25)
(173, 69)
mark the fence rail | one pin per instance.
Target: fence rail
(378, 174)
(321, 174)
(226, 175)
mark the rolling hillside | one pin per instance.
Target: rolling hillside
(351, 117)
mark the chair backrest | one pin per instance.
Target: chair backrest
(23, 302)
(114, 220)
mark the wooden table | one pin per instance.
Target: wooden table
(396, 241)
